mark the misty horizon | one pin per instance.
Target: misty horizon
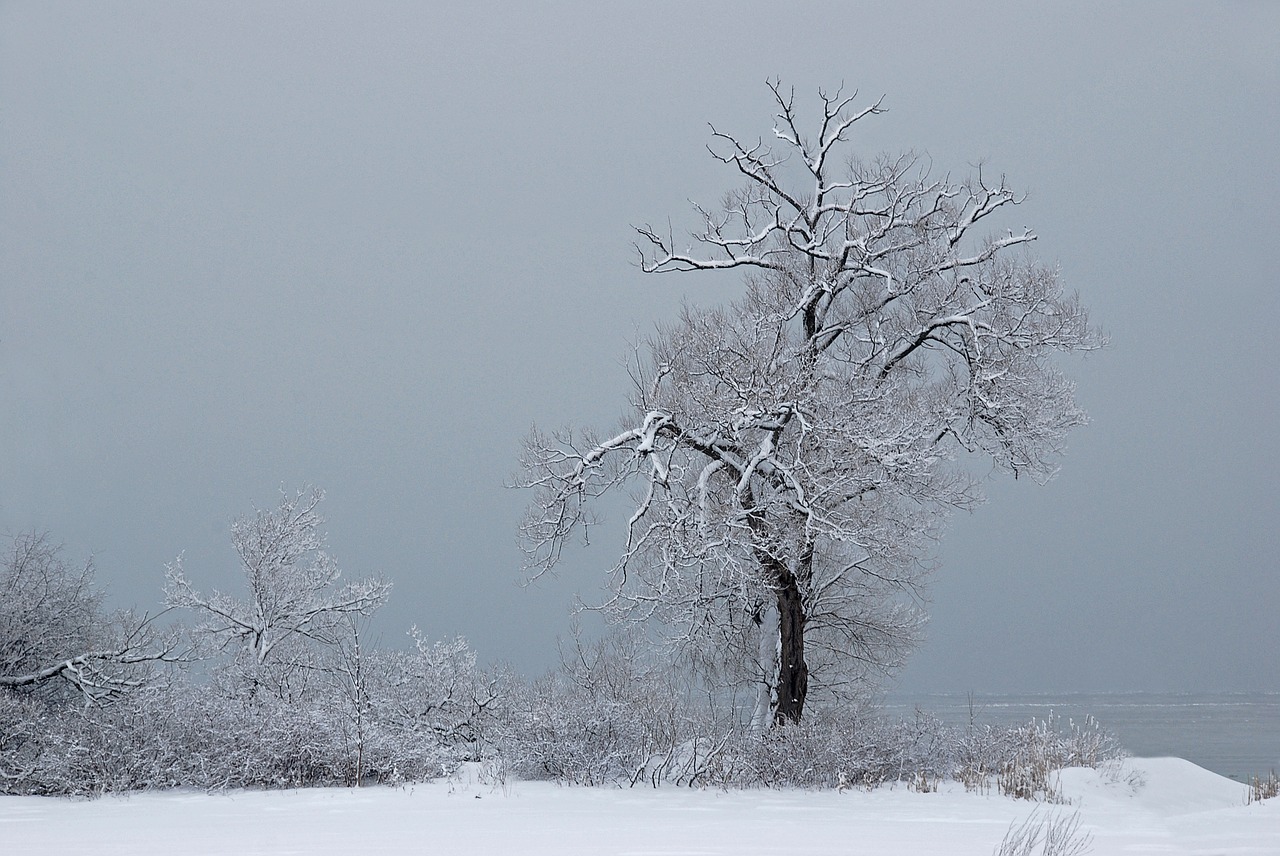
(246, 250)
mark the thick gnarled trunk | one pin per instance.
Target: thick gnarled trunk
(791, 686)
(793, 671)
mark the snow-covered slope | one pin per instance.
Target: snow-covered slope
(1166, 806)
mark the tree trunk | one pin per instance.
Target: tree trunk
(767, 664)
(793, 671)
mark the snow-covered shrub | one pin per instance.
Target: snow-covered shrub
(287, 694)
(843, 747)
(436, 690)
(1023, 759)
(68, 671)
(611, 715)
(423, 711)
(390, 717)
(85, 749)
(307, 700)
(23, 729)
(847, 748)
(608, 715)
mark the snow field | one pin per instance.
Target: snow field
(1165, 806)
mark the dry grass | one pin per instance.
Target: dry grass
(1052, 835)
(1263, 788)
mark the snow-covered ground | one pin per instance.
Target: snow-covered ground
(1178, 808)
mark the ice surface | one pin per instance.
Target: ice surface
(1163, 805)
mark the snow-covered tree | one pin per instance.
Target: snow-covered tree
(794, 455)
(295, 606)
(55, 636)
(67, 665)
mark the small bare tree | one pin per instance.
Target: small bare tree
(294, 597)
(795, 453)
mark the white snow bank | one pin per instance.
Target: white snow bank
(1178, 809)
(1170, 805)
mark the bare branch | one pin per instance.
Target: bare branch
(292, 583)
(799, 447)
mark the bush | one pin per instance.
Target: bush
(606, 716)
(611, 717)
(421, 713)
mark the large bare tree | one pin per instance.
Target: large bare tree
(794, 454)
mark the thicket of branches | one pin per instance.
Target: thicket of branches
(274, 687)
(611, 716)
(177, 732)
(331, 709)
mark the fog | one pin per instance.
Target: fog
(249, 247)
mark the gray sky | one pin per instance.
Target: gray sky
(251, 246)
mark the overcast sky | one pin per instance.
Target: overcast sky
(247, 246)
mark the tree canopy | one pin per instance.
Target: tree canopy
(795, 453)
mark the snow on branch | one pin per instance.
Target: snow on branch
(292, 582)
(794, 453)
(52, 629)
